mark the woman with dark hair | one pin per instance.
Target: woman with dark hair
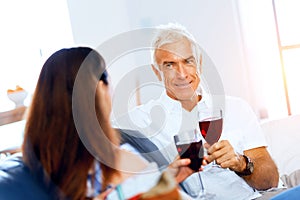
(54, 161)
(68, 135)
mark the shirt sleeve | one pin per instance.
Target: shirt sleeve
(240, 118)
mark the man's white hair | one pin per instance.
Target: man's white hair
(170, 33)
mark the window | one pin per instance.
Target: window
(287, 15)
(30, 31)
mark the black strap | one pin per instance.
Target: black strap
(142, 144)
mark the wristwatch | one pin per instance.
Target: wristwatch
(249, 167)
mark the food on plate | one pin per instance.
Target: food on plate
(18, 89)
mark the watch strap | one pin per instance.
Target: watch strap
(249, 167)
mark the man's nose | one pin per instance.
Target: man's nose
(181, 70)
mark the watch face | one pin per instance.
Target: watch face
(250, 166)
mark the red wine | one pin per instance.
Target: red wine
(193, 151)
(211, 130)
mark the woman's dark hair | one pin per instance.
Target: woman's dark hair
(51, 138)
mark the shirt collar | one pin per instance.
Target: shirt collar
(172, 105)
(206, 100)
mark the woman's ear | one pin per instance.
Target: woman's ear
(103, 100)
(157, 73)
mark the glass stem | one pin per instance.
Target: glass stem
(200, 179)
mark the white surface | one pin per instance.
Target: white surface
(283, 138)
(11, 135)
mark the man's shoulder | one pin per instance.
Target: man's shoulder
(234, 98)
(228, 102)
(134, 117)
(238, 101)
(145, 107)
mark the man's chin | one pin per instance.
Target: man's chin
(185, 98)
(182, 96)
(189, 97)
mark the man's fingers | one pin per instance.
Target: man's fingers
(206, 145)
(220, 151)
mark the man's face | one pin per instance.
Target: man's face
(178, 65)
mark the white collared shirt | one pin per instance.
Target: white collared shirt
(159, 120)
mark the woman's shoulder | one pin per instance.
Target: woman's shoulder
(16, 181)
(11, 167)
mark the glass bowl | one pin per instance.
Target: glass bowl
(18, 97)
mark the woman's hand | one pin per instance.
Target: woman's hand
(179, 169)
(103, 195)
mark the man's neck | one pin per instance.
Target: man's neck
(190, 103)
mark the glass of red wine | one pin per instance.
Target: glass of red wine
(189, 145)
(211, 125)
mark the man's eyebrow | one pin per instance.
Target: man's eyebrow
(168, 62)
(183, 59)
(191, 57)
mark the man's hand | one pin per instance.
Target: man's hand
(265, 174)
(225, 156)
(179, 169)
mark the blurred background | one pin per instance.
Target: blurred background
(254, 44)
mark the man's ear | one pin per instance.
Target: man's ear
(200, 63)
(157, 73)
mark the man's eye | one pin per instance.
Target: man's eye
(168, 65)
(190, 61)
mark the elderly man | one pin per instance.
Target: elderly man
(244, 166)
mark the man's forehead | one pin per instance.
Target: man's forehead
(163, 55)
(176, 50)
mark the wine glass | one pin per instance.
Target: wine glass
(211, 125)
(189, 145)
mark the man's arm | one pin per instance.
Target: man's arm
(265, 174)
